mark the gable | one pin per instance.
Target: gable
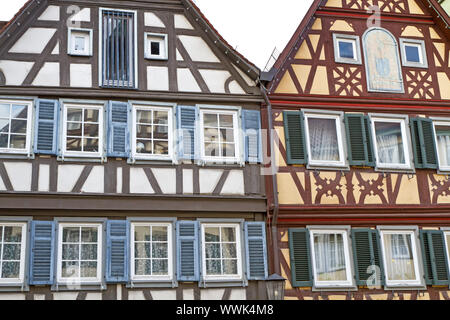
(310, 65)
(36, 50)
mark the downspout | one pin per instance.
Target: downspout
(274, 222)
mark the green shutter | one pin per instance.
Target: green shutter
(369, 142)
(294, 131)
(424, 143)
(434, 257)
(358, 140)
(300, 258)
(366, 253)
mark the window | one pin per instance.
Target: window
(15, 126)
(151, 251)
(80, 42)
(221, 251)
(400, 258)
(118, 49)
(219, 135)
(83, 130)
(80, 253)
(447, 246)
(347, 49)
(391, 143)
(156, 46)
(331, 260)
(442, 133)
(152, 132)
(413, 53)
(12, 252)
(324, 140)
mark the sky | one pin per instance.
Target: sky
(253, 27)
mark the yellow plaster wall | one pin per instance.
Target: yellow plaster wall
(411, 31)
(444, 85)
(287, 190)
(286, 85)
(414, 7)
(341, 25)
(409, 190)
(320, 84)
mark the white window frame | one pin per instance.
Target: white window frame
(101, 140)
(406, 142)
(420, 44)
(237, 136)
(169, 277)
(239, 275)
(154, 107)
(446, 233)
(163, 43)
(23, 248)
(440, 123)
(348, 264)
(80, 280)
(356, 48)
(415, 254)
(326, 163)
(28, 143)
(88, 42)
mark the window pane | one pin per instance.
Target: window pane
(154, 48)
(90, 145)
(212, 250)
(71, 234)
(212, 150)
(73, 144)
(227, 135)
(144, 131)
(323, 139)
(18, 126)
(3, 141)
(161, 132)
(443, 144)
(79, 44)
(346, 50)
(88, 269)
(228, 150)
(389, 143)
(211, 135)
(230, 267)
(142, 250)
(4, 125)
(10, 270)
(89, 234)
(229, 250)
(226, 120)
(74, 114)
(4, 110)
(210, 120)
(17, 142)
(89, 252)
(212, 234)
(70, 252)
(412, 53)
(161, 117)
(91, 115)
(213, 267)
(159, 233)
(19, 112)
(141, 233)
(159, 250)
(13, 234)
(399, 257)
(160, 267)
(91, 130)
(142, 267)
(329, 257)
(70, 269)
(228, 234)
(161, 147)
(144, 116)
(74, 129)
(11, 252)
(144, 146)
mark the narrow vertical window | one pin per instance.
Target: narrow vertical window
(12, 252)
(118, 49)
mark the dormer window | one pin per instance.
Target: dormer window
(413, 53)
(347, 49)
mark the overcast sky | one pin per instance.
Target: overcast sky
(254, 27)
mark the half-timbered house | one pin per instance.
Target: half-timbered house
(360, 107)
(130, 154)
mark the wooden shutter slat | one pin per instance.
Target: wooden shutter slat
(295, 137)
(187, 251)
(187, 118)
(255, 236)
(46, 127)
(434, 255)
(251, 125)
(300, 258)
(424, 143)
(117, 252)
(118, 129)
(42, 252)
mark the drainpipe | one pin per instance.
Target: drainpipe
(274, 228)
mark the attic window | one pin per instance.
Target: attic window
(156, 46)
(80, 42)
(413, 53)
(347, 49)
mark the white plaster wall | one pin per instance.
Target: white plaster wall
(139, 182)
(95, 182)
(167, 180)
(238, 294)
(80, 75)
(94, 296)
(151, 20)
(179, 57)
(119, 181)
(50, 14)
(65, 295)
(136, 295)
(158, 78)
(19, 174)
(44, 178)
(186, 81)
(33, 40)
(48, 75)
(83, 16)
(211, 294)
(15, 71)
(188, 294)
(164, 294)
(234, 184)
(209, 179)
(188, 181)
(2, 185)
(12, 296)
(215, 79)
(181, 22)
(56, 49)
(235, 88)
(198, 49)
(39, 296)
(246, 78)
(68, 176)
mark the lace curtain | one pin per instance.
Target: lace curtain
(444, 149)
(323, 139)
(389, 143)
(399, 257)
(329, 257)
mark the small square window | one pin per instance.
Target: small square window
(413, 53)
(156, 46)
(80, 42)
(347, 49)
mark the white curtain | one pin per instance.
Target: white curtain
(399, 257)
(329, 257)
(323, 139)
(444, 149)
(390, 149)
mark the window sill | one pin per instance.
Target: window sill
(11, 155)
(14, 287)
(414, 287)
(78, 287)
(204, 283)
(395, 170)
(327, 168)
(75, 158)
(152, 284)
(335, 288)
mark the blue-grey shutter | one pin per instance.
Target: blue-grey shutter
(251, 125)
(255, 244)
(46, 135)
(117, 251)
(187, 251)
(188, 145)
(118, 129)
(42, 252)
